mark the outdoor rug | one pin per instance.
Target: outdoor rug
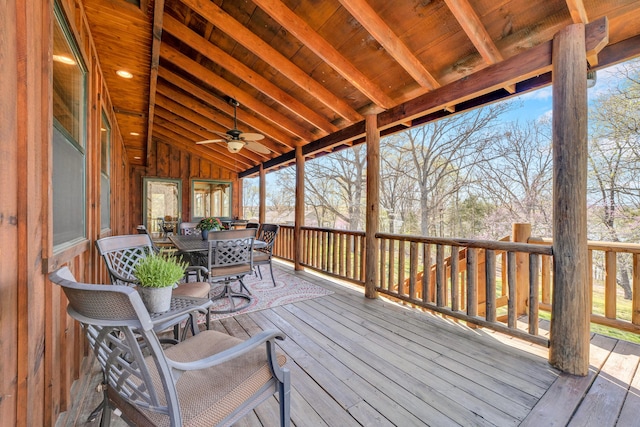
(288, 289)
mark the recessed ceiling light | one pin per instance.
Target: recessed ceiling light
(134, 133)
(103, 130)
(64, 59)
(124, 74)
(137, 157)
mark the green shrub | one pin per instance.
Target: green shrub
(159, 271)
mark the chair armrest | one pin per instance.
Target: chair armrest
(267, 336)
(199, 271)
(181, 306)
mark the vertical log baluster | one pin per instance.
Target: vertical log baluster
(440, 272)
(610, 285)
(490, 284)
(426, 272)
(472, 280)
(413, 269)
(401, 268)
(513, 289)
(533, 293)
(455, 291)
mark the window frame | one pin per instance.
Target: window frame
(210, 181)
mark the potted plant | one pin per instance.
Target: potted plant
(157, 274)
(207, 224)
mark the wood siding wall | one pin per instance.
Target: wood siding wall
(41, 348)
(167, 161)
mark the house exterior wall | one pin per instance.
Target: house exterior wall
(41, 348)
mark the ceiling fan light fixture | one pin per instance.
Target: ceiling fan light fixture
(234, 146)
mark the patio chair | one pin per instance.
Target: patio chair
(188, 228)
(121, 254)
(230, 258)
(208, 379)
(262, 256)
(253, 225)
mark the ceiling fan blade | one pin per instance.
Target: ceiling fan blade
(248, 136)
(209, 141)
(257, 147)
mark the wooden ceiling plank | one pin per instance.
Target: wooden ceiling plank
(195, 117)
(199, 71)
(371, 21)
(243, 117)
(264, 51)
(172, 138)
(313, 41)
(158, 13)
(217, 55)
(577, 11)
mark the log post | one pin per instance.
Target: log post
(299, 211)
(569, 350)
(373, 203)
(521, 233)
(262, 209)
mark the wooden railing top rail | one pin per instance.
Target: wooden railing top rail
(470, 243)
(596, 245)
(334, 230)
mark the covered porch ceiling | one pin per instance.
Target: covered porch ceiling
(305, 73)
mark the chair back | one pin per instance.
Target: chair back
(120, 333)
(121, 255)
(188, 228)
(230, 253)
(268, 234)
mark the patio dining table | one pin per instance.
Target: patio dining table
(194, 243)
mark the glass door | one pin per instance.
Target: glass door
(162, 202)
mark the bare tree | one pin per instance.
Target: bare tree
(518, 176)
(614, 164)
(250, 196)
(442, 155)
(398, 190)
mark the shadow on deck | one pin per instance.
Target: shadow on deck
(359, 362)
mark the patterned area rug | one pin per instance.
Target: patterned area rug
(288, 289)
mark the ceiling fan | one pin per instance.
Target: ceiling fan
(236, 139)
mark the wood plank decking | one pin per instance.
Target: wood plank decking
(359, 362)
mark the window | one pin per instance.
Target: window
(210, 198)
(69, 111)
(105, 173)
(162, 201)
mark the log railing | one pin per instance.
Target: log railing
(484, 297)
(610, 263)
(338, 253)
(467, 279)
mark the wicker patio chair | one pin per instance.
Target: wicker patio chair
(262, 256)
(121, 254)
(208, 379)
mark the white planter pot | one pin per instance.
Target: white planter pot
(157, 300)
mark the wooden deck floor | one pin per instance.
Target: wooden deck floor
(359, 362)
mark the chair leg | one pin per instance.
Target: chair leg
(284, 394)
(273, 279)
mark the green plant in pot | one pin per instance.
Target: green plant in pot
(207, 224)
(157, 275)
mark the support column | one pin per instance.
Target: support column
(569, 349)
(298, 243)
(262, 207)
(373, 206)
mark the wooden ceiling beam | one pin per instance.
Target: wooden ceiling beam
(246, 74)
(371, 21)
(177, 140)
(247, 119)
(192, 131)
(156, 34)
(475, 30)
(531, 63)
(209, 77)
(234, 29)
(577, 11)
(318, 45)
(203, 121)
